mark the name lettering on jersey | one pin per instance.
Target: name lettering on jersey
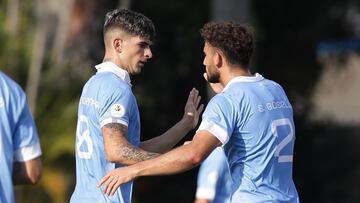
(269, 106)
(89, 102)
(2, 103)
(117, 110)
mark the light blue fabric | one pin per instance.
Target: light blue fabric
(106, 98)
(17, 131)
(214, 181)
(253, 119)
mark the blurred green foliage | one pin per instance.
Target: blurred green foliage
(56, 111)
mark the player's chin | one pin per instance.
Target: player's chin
(141, 64)
(136, 70)
(139, 67)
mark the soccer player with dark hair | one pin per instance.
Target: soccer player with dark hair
(108, 127)
(250, 117)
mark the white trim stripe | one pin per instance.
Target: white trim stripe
(112, 120)
(112, 67)
(255, 78)
(205, 193)
(214, 129)
(28, 153)
(285, 158)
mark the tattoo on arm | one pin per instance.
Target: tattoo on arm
(136, 154)
(117, 128)
(125, 150)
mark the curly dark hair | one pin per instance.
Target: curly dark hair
(234, 40)
(131, 22)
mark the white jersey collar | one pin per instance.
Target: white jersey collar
(255, 78)
(112, 67)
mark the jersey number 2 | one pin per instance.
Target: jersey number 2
(286, 139)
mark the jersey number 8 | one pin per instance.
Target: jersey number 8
(83, 137)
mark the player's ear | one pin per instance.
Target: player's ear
(117, 44)
(218, 59)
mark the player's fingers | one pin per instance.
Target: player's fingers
(110, 186)
(196, 95)
(114, 188)
(105, 186)
(197, 101)
(191, 95)
(102, 181)
(191, 98)
(200, 109)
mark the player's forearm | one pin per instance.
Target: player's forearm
(169, 139)
(178, 160)
(175, 161)
(128, 154)
(20, 177)
(28, 172)
(118, 149)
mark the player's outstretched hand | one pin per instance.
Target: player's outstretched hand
(216, 87)
(193, 108)
(111, 181)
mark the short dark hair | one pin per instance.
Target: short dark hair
(131, 22)
(234, 40)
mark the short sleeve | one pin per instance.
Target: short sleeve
(218, 118)
(26, 140)
(116, 107)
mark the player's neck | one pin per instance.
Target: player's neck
(233, 72)
(107, 59)
(110, 58)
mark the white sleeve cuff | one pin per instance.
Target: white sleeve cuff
(205, 193)
(216, 130)
(27, 153)
(112, 120)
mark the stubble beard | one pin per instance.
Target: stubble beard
(213, 77)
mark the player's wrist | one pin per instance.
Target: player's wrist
(137, 170)
(187, 123)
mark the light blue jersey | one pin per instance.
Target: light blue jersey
(106, 98)
(19, 141)
(253, 119)
(214, 181)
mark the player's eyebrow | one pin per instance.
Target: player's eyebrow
(145, 43)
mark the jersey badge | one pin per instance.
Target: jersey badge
(117, 110)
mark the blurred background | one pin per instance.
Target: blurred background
(312, 48)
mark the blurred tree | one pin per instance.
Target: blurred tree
(24, 56)
(12, 16)
(38, 53)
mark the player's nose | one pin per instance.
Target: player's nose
(148, 53)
